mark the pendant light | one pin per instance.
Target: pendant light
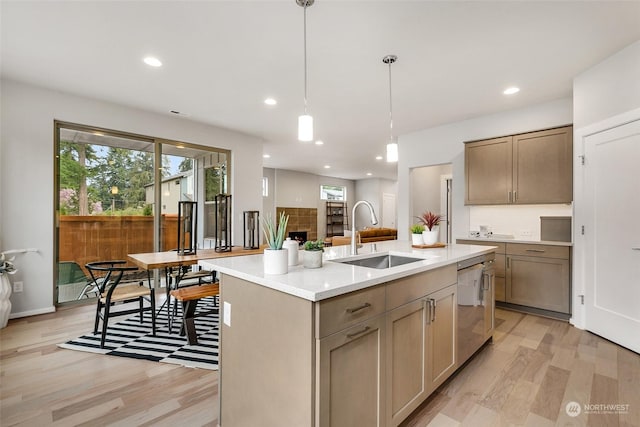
(305, 122)
(392, 146)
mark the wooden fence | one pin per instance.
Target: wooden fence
(86, 239)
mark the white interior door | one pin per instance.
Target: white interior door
(612, 238)
(389, 210)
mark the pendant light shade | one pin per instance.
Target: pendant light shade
(305, 122)
(392, 152)
(305, 128)
(392, 146)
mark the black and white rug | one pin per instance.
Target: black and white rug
(130, 338)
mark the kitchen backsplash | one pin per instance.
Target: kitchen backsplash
(521, 221)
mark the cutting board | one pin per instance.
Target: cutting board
(435, 245)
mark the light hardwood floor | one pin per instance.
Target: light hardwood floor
(533, 368)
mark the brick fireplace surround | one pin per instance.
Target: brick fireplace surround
(301, 219)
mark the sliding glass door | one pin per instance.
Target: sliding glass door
(107, 203)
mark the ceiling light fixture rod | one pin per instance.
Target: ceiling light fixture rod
(390, 59)
(305, 122)
(392, 146)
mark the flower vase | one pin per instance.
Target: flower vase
(430, 237)
(5, 302)
(276, 261)
(312, 259)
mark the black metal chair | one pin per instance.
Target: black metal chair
(107, 276)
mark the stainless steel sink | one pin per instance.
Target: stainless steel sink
(380, 261)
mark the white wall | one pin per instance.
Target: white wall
(521, 221)
(302, 190)
(371, 190)
(425, 190)
(444, 144)
(609, 88)
(605, 96)
(26, 172)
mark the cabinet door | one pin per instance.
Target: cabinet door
(538, 282)
(489, 301)
(543, 166)
(351, 376)
(499, 289)
(488, 170)
(406, 360)
(441, 336)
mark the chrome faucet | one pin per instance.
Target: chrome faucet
(374, 221)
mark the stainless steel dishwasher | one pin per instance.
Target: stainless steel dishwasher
(476, 303)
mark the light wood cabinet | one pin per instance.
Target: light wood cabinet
(407, 359)
(539, 276)
(441, 336)
(529, 168)
(351, 376)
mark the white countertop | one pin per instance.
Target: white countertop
(529, 242)
(334, 278)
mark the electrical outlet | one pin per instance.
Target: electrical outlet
(525, 233)
(17, 287)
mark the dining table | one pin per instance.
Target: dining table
(175, 265)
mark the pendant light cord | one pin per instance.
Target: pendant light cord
(390, 107)
(305, 58)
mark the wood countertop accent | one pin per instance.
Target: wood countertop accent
(152, 260)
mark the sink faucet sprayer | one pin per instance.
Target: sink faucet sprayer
(374, 221)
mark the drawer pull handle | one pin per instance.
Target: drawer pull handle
(360, 307)
(635, 249)
(536, 250)
(360, 332)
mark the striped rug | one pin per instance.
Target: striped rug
(130, 338)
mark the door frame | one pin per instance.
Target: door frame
(580, 209)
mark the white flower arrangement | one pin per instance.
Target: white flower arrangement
(6, 265)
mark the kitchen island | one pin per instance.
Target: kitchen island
(339, 345)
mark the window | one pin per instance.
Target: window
(333, 192)
(265, 186)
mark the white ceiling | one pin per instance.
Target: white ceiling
(223, 58)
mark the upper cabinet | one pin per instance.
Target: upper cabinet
(529, 168)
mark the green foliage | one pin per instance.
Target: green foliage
(314, 245)
(417, 228)
(147, 210)
(274, 233)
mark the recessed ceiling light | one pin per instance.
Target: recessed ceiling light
(327, 167)
(266, 156)
(319, 142)
(369, 174)
(153, 62)
(378, 157)
(270, 101)
(511, 90)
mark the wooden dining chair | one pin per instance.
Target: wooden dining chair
(108, 277)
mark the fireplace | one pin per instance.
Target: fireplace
(299, 236)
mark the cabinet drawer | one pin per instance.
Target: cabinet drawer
(500, 247)
(545, 251)
(335, 314)
(410, 288)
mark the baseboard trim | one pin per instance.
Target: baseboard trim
(32, 312)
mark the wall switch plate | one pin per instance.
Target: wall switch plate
(226, 314)
(525, 233)
(17, 287)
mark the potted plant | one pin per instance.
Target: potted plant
(416, 234)
(275, 258)
(6, 268)
(313, 250)
(430, 221)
